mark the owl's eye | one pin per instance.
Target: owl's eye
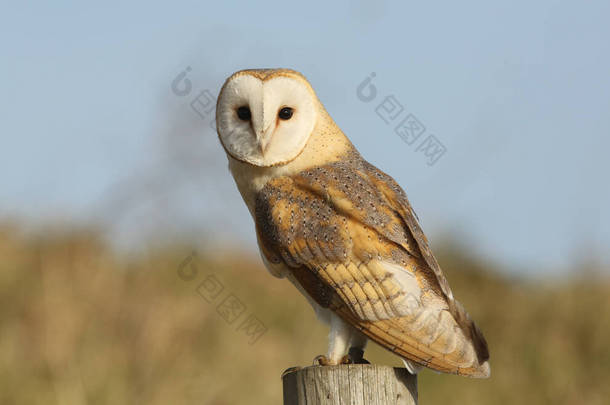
(244, 113)
(285, 113)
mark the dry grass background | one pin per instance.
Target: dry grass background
(81, 324)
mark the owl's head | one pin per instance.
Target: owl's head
(265, 116)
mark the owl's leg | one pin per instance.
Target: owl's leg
(338, 342)
(357, 345)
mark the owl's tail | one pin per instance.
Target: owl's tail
(471, 330)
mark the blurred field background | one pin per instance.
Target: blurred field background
(110, 179)
(82, 324)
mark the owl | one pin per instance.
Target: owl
(339, 229)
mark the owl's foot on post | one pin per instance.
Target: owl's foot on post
(321, 360)
(356, 356)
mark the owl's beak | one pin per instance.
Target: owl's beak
(264, 138)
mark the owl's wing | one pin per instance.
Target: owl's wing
(351, 239)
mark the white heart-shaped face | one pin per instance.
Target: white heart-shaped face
(265, 122)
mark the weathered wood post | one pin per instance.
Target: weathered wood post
(352, 384)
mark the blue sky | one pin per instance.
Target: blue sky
(518, 93)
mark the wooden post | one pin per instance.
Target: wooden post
(352, 384)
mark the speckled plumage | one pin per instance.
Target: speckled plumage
(344, 232)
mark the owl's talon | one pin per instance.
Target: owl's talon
(321, 360)
(356, 356)
(346, 360)
(290, 370)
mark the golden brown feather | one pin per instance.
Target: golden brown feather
(332, 225)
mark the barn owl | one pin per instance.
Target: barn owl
(339, 229)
